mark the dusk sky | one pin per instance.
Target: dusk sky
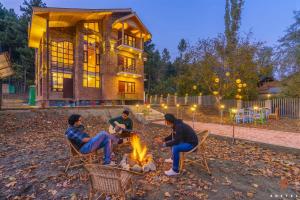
(171, 20)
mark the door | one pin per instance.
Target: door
(68, 88)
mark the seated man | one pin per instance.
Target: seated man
(183, 139)
(123, 119)
(84, 143)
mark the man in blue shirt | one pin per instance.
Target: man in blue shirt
(85, 144)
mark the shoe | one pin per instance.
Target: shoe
(112, 164)
(171, 172)
(169, 160)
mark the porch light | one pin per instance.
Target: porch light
(222, 106)
(238, 81)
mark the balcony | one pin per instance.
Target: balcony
(129, 71)
(133, 47)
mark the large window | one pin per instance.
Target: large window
(127, 64)
(62, 60)
(126, 87)
(91, 52)
(129, 40)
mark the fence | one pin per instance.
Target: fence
(288, 107)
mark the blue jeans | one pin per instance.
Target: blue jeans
(176, 149)
(102, 139)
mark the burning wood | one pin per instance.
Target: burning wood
(138, 160)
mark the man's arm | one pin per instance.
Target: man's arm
(76, 136)
(177, 137)
(168, 138)
(112, 121)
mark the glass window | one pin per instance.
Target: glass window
(129, 40)
(61, 63)
(91, 67)
(126, 87)
(93, 26)
(127, 64)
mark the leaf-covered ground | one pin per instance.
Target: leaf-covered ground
(33, 155)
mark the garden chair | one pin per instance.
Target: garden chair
(200, 149)
(76, 158)
(274, 115)
(108, 180)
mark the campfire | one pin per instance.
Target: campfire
(138, 160)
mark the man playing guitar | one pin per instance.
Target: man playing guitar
(121, 125)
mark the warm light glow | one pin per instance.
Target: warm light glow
(239, 90)
(269, 95)
(200, 94)
(165, 107)
(240, 85)
(137, 105)
(195, 106)
(255, 107)
(193, 109)
(217, 80)
(237, 96)
(227, 74)
(177, 105)
(222, 106)
(238, 81)
(194, 87)
(244, 85)
(138, 151)
(233, 110)
(215, 92)
(148, 106)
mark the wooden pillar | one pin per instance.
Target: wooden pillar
(0, 94)
(122, 33)
(47, 64)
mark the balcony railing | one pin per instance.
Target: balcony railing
(129, 71)
(133, 47)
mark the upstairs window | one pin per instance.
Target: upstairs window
(129, 40)
(93, 26)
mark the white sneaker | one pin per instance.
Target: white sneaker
(112, 164)
(169, 160)
(171, 172)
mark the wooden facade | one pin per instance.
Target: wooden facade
(88, 56)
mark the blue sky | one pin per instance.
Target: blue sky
(171, 20)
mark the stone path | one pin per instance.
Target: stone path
(280, 138)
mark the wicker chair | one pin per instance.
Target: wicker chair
(109, 181)
(200, 150)
(77, 158)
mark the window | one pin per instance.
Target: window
(61, 63)
(127, 64)
(91, 65)
(126, 87)
(129, 40)
(93, 26)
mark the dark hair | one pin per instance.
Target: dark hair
(170, 118)
(126, 112)
(73, 119)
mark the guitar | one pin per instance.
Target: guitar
(119, 128)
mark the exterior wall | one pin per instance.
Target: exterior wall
(109, 81)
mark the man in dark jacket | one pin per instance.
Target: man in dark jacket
(123, 119)
(182, 139)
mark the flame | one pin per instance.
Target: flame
(139, 151)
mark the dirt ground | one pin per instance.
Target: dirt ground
(210, 115)
(33, 155)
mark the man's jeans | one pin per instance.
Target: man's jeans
(102, 139)
(176, 149)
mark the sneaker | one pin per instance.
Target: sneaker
(169, 160)
(112, 164)
(171, 172)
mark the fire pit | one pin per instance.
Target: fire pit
(138, 160)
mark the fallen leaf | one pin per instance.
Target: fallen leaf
(167, 194)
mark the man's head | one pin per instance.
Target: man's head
(125, 114)
(170, 119)
(75, 120)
